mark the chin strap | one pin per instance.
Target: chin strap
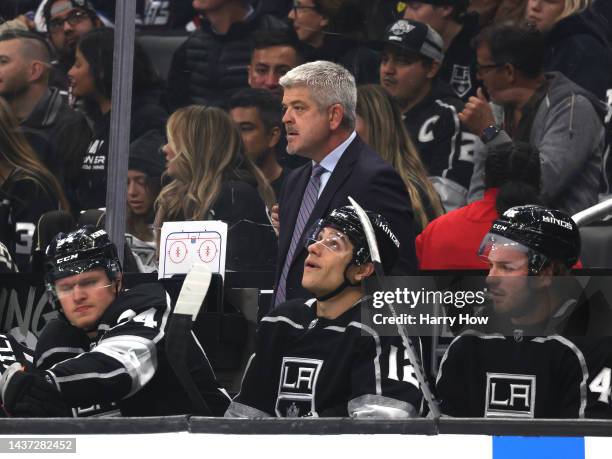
(345, 283)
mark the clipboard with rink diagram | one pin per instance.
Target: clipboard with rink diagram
(185, 243)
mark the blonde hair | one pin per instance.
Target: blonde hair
(574, 7)
(19, 157)
(209, 151)
(389, 137)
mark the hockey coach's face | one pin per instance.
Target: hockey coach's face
(85, 297)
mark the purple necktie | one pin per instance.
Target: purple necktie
(308, 202)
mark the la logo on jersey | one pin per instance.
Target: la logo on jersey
(461, 81)
(297, 386)
(510, 395)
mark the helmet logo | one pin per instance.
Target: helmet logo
(68, 258)
(98, 233)
(556, 221)
(497, 226)
(389, 233)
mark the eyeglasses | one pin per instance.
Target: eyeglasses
(85, 285)
(297, 7)
(487, 67)
(74, 18)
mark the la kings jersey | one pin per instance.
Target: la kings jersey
(12, 351)
(446, 148)
(306, 365)
(518, 377)
(126, 362)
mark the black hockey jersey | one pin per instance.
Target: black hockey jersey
(12, 351)
(597, 352)
(306, 365)
(459, 66)
(518, 377)
(446, 148)
(126, 362)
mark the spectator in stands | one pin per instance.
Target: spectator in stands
(576, 42)
(380, 125)
(257, 114)
(92, 79)
(512, 178)
(58, 134)
(333, 30)
(411, 60)
(457, 28)
(214, 180)
(212, 63)
(67, 21)
(274, 53)
(27, 184)
(320, 99)
(560, 119)
(146, 165)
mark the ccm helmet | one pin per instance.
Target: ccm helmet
(82, 250)
(545, 234)
(346, 220)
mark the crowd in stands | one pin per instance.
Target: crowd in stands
(436, 115)
(443, 86)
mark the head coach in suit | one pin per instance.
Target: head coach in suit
(319, 102)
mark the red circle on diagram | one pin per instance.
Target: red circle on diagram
(177, 251)
(207, 251)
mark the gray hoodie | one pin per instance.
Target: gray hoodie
(568, 131)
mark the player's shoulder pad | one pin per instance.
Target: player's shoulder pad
(139, 298)
(294, 309)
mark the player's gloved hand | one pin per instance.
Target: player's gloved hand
(29, 392)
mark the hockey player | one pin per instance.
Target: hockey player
(316, 357)
(524, 366)
(108, 345)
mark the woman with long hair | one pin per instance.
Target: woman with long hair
(212, 179)
(380, 125)
(576, 40)
(91, 79)
(27, 187)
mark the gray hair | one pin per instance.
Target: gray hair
(329, 84)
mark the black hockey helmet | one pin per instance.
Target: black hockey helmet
(546, 234)
(82, 250)
(346, 220)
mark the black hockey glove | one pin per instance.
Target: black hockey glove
(28, 392)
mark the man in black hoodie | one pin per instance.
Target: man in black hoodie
(212, 63)
(411, 60)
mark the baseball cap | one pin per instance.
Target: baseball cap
(416, 37)
(50, 8)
